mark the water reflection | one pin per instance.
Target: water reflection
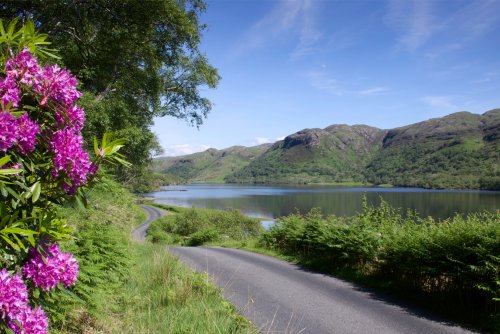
(276, 201)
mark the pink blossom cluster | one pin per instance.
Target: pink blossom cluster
(21, 131)
(53, 269)
(55, 90)
(14, 308)
(9, 91)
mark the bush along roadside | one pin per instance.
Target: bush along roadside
(194, 227)
(452, 265)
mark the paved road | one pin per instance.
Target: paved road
(279, 297)
(139, 233)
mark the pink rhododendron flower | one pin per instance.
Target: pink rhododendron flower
(13, 294)
(73, 116)
(27, 132)
(9, 130)
(32, 321)
(56, 268)
(57, 84)
(24, 68)
(70, 157)
(9, 92)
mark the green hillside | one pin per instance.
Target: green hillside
(337, 153)
(211, 165)
(458, 151)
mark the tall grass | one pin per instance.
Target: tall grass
(195, 227)
(454, 262)
(126, 287)
(166, 297)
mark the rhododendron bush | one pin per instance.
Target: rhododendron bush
(42, 163)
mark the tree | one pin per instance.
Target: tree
(135, 59)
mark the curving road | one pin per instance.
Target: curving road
(279, 297)
(139, 234)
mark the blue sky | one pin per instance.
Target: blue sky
(287, 65)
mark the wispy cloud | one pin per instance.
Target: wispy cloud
(413, 22)
(183, 149)
(444, 49)
(419, 22)
(486, 77)
(310, 35)
(321, 80)
(441, 102)
(373, 91)
(295, 18)
(261, 140)
(264, 140)
(475, 19)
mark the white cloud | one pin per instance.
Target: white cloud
(184, 149)
(321, 80)
(442, 102)
(413, 22)
(294, 18)
(417, 22)
(486, 77)
(373, 91)
(264, 140)
(444, 49)
(261, 140)
(475, 19)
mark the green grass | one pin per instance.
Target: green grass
(193, 227)
(128, 287)
(166, 297)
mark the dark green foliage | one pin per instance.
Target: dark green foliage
(456, 259)
(198, 226)
(202, 237)
(135, 59)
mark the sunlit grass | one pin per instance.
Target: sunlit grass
(166, 297)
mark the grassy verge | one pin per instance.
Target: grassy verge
(126, 287)
(166, 297)
(451, 266)
(193, 227)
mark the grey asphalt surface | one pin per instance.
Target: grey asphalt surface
(279, 297)
(139, 234)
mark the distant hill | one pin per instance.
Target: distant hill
(461, 150)
(337, 153)
(211, 165)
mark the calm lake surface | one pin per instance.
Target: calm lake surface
(265, 201)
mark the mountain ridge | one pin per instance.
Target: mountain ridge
(459, 150)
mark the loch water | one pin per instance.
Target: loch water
(273, 201)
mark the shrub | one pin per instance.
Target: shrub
(42, 164)
(202, 237)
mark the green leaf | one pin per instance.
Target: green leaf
(12, 244)
(17, 230)
(36, 190)
(4, 160)
(10, 171)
